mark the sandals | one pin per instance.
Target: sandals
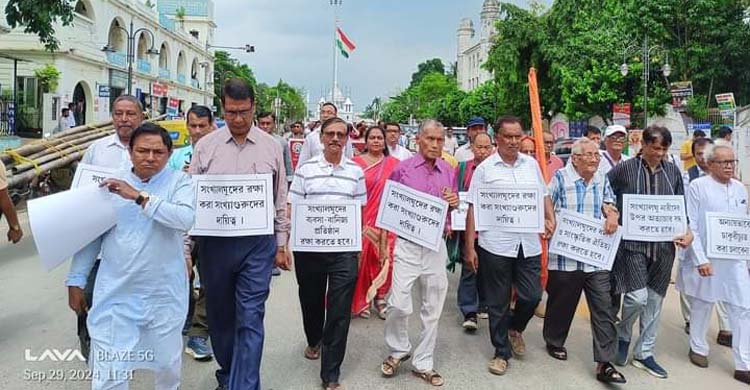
(559, 353)
(333, 386)
(390, 365)
(312, 353)
(608, 374)
(380, 306)
(364, 314)
(430, 376)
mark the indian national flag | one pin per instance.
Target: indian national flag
(344, 43)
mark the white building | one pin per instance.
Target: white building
(343, 104)
(170, 60)
(473, 53)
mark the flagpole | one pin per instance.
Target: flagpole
(335, 4)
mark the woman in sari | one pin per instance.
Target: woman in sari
(374, 280)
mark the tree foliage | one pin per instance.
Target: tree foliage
(434, 65)
(38, 17)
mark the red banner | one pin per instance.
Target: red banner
(295, 148)
(159, 89)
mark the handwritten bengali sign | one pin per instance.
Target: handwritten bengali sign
(653, 218)
(87, 174)
(516, 209)
(728, 236)
(412, 215)
(458, 215)
(233, 205)
(325, 226)
(581, 238)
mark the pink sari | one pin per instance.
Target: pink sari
(374, 279)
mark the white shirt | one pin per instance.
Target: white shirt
(607, 162)
(71, 120)
(108, 152)
(313, 147)
(451, 144)
(494, 171)
(320, 179)
(464, 153)
(399, 152)
(731, 280)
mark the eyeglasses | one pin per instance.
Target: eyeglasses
(334, 134)
(616, 138)
(725, 163)
(595, 156)
(234, 114)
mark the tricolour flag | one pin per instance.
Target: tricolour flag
(344, 43)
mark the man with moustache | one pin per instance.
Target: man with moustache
(614, 143)
(475, 126)
(392, 135)
(312, 146)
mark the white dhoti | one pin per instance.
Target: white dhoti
(413, 262)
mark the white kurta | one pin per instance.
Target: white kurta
(731, 280)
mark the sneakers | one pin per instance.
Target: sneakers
(470, 322)
(651, 366)
(698, 359)
(483, 314)
(724, 338)
(498, 366)
(623, 347)
(516, 343)
(198, 348)
(742, 376)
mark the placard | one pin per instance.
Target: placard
(728, 236)
(326, 226)
(458, 215)
(513, 209)
(295, 148)
(581, 238)
(653, 218)
(412, 215)
(87, 174)
(233, 205)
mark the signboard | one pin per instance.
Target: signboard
(726, 104)
(412, 215)
(233, 205)
(728, 236)
(104, 91)
(173, 107)
(681, 92)
(653, 218)
(118, 79)
(621, 114)
(87, 174)
(159, 89)
(581, 238)
(458, 216)
(576, 128)
(326, 226)
(295, 148)
(515, 209)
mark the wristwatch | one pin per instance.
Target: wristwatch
(142, 197)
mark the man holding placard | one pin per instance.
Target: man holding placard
(242, 189)
(431, 179)
(509, 205)
(326, 266)
(583, 190)
(718, 212)
(649, 192)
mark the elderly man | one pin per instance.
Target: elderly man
(642, 270)
(469, 295)
(554, 163)
(582, 188)
(614, 144)
(326, 280)
(718, 280)
(237, 270)
(312, 146)
(108, 152)
(425, 172)
(506, 259)
(475, 126)
(392, 135)
(141, 287)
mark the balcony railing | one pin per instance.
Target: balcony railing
(144, 66)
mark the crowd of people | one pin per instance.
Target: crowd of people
(133, 287)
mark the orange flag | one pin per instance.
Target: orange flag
(536, 125)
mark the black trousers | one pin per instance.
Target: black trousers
(564, 290)
(197, 318)
(83, 329)
(326, 316)
(498, 275)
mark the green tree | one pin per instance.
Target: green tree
(226, 67)
(374, 110)
(292, 103)
(38, 17)
(434, 65)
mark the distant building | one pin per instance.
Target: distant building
(343, 104)
(473, 53)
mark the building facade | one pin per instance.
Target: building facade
(172, 67)
(473, 53)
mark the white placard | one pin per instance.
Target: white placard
(233, 205)
(653, 218)
(326, 226)
(458, 216)
(412, 215)
(87, 174)
(728, 236)
(581, 238)
(513, 209)
(65, 222)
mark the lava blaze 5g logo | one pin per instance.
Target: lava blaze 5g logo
(54, 355)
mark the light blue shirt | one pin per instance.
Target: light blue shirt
(180, 157)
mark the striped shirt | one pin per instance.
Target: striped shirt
(319, 179)
(569, 191)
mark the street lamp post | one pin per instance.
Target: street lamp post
(645, 51)
(131, 49)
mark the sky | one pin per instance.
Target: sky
(293, 40)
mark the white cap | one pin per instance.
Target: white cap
(612, 129)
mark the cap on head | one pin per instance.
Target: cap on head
(614, 129)
(476, 121)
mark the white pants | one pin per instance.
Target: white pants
(739, 319)
(721, 313)
(106, 377)
(413, 262)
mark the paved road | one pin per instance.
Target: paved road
(34, 316)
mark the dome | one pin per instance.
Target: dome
(466, 23)
(490, 4)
